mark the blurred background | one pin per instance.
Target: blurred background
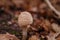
(43, 17)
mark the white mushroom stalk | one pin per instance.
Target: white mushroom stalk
(24, 21)
(52, 8)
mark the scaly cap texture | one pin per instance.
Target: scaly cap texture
(25, 18)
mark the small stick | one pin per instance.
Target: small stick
(51, 6)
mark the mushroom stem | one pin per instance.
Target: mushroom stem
(52, 8)
(24, 33)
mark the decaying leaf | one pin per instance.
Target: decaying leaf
(34, 37)
(8, 37)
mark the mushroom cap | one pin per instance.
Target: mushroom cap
(25, 18)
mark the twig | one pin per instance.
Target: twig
(52, 8)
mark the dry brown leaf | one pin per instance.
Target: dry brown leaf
(8, 37)
(34, 37)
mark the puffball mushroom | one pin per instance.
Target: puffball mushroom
(24, 21)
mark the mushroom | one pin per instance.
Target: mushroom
(8, 36)
(24, 21)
